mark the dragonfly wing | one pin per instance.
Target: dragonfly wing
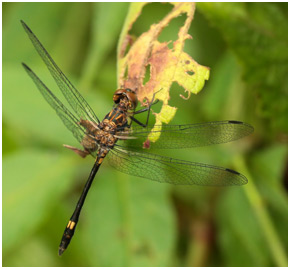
(73, 97)
(69, 120)
(187, 135)
(174, 171)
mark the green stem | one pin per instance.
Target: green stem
(263, 217)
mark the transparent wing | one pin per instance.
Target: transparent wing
(73, 97)
(174, 171)
(69, 120)
(186, 136)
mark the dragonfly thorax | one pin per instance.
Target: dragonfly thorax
(108, 125)
(105, 136)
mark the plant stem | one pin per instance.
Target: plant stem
(257, 203)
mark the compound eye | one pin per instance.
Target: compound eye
(118, 95)
(132, 99)
(119, 91)
(116, 98)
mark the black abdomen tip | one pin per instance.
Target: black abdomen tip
(60, 251)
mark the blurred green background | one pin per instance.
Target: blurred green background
(128, 221)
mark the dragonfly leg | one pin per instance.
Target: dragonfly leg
(144, 110)
(147, 108)
(138, 122)
(82, 153)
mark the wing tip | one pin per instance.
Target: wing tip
(26, 66)
(25, 26)
(250, 127)
(243, 180)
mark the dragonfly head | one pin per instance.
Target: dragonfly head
(126, 96)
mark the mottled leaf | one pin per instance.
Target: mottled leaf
(166, 65)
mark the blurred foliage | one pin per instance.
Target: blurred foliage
(251, 31)
(130, 221)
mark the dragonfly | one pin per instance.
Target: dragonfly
(119, 141)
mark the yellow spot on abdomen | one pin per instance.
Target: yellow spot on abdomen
(71, 225)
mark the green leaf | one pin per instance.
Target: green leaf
(269, 179)
(252, 32)
(276, 155)
(33, 182)
(130, 219)
(70, 40)
(13, 33)
(107, 23)
(223, 81)
(26, 255)
(240, 238)
(262, 215)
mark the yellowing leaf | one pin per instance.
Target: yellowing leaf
(166, 65)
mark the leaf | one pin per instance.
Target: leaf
(26, 256)
(240, 237)
(251, 31)
(270, 178)
(106, 26)
(166, 65)
(32, 183)
(262, 215)
(127, 218)
(222, 82)
(72, 58)
(13, 35)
